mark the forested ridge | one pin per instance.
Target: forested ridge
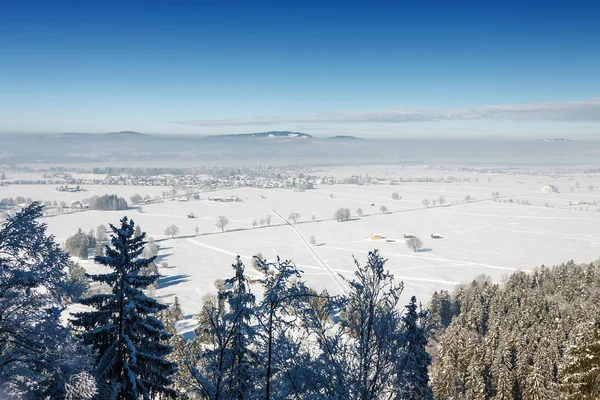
(535, 336)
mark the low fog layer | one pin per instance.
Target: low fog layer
(240, 150)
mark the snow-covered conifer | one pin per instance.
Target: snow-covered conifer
(131, 343)
(413, 379)
(37, 353)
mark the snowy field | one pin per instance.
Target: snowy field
(479, 237)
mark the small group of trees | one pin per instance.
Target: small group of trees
(342, 214)
(108, 202)
(11, 202)
(79, 244)
(440, 200)
(262, 221)
(137, 198)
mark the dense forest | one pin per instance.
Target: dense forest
(533, 337)
(107, 202)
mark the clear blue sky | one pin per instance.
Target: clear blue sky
(398, 69)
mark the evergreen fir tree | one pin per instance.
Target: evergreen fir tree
(101, 233)
(138, 231)
(129, 340)
(77, 245)
(535, 385)
(179, 354)
(581, 374)
(475, 384)
(175, 310)
(413, 378)
(78, 280)
(91, 239)
(98, 250)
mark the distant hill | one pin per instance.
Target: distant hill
(266, 135)
(559, 140)
(346, 137)
(126, 133)
(70, 135)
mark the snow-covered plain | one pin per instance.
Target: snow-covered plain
(480, 237)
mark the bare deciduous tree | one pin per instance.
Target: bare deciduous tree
(262, 221)
(136, 198)
(396, 196)
(268, 219)
(414, 243)
(359, 212)
(468, 198)
(383, 209)
(294, 217)
(222, 222)
(426, 203)
(254, 224)
(172, 231)
(197, 230)
(441, 200)
(342, 214)
(313, 240)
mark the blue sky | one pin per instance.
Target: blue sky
(511, 69)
